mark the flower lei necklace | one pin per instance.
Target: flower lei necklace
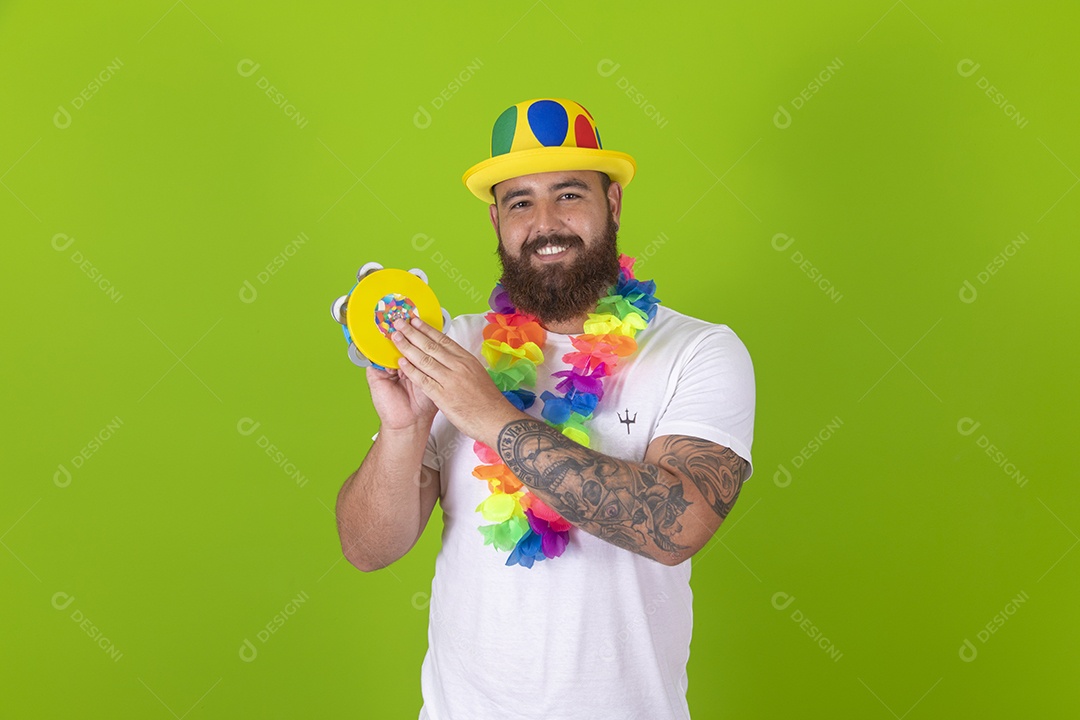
(521, 522)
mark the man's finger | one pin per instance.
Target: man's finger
(441, 343)
(429, 339)
(420, 351)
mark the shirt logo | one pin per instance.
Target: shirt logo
(627, 421)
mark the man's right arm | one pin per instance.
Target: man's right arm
(383, 508)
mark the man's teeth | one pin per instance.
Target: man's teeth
(550, 250)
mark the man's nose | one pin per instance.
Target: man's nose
(547, 220)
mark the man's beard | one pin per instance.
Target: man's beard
(559, 292)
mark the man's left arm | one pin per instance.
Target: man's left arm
(665, 508)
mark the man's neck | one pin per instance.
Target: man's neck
(574, 326)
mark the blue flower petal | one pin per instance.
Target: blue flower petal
(584, 403)
(514, 399)
(556, 409)
(527, 551)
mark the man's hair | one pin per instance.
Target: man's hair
(605, 181)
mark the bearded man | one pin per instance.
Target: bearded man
(583, 441)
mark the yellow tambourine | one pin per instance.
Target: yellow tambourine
(380, 297)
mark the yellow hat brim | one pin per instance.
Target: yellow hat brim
(480, 178)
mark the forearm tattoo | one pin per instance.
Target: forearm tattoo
(631, 505)
(717, 471)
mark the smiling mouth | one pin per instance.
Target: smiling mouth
(552, 250)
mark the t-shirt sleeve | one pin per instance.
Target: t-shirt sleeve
(714, 394)
(431, 453)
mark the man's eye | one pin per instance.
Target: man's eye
(570, 195)
(519, 202)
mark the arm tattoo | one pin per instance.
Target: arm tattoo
(716, 471)
(631, 505)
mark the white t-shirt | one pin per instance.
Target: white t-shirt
(600, 632)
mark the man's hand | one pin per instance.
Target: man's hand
(399, 403)
(454, 380)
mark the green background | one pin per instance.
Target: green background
(179, 180)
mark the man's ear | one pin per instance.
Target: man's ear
(614, 196)
(494, 210)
